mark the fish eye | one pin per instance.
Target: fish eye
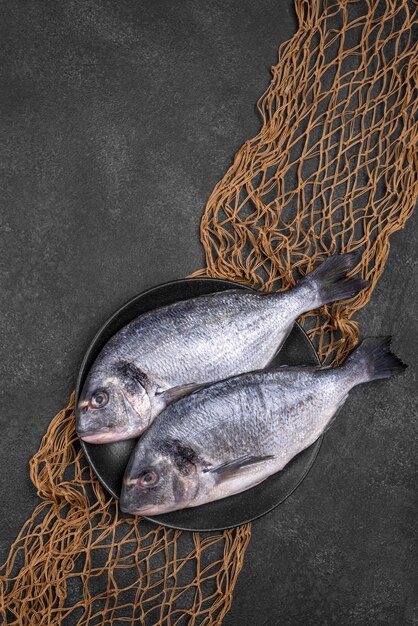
(99, 399)
(149, 478)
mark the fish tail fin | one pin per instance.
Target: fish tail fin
(374, 359)
(329, 282)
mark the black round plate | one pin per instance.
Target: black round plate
(109, 460)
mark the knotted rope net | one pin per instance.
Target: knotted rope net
(333, 169)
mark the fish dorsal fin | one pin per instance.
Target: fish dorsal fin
(175, 393)
(230, 469)
(297, 368)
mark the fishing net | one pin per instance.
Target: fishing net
(333, 169)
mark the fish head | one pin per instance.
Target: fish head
(114, 405)
(159, 479)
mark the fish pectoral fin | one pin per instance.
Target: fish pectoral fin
(230, 469)
(175, 393)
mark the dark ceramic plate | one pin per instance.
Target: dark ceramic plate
(109, 460)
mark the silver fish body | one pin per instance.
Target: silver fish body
(170, 351)
(234, 434)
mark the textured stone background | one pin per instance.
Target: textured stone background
(117, 120)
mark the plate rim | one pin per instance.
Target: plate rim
(316, 445)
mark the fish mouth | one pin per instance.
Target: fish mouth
(104, 436)
(143, 510)
(128, 502)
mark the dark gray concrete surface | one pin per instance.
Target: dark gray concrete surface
(117, 120)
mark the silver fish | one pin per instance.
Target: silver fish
(171, 351)
(232, 435)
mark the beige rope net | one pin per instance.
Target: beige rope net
(333, 169)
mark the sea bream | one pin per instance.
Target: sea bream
(168, 352)
(231, 436)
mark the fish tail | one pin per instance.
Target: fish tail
(374, 359)
(329, 282)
